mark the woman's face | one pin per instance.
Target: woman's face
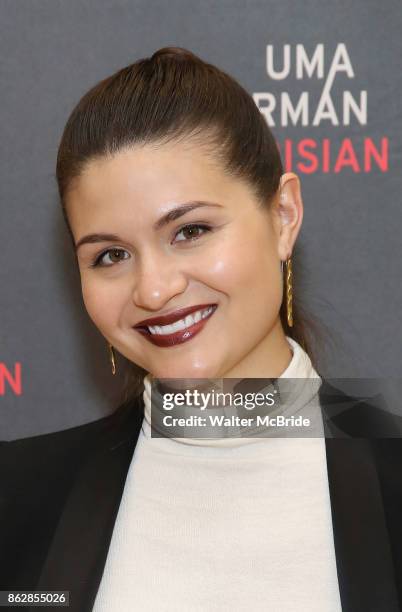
(225, 254)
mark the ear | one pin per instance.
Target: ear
(288, 206)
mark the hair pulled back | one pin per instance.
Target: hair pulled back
(175, 96)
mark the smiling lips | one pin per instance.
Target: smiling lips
(176, 327)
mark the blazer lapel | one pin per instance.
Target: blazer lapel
(363, 554)
(78, 552)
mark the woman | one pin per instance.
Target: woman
(184, 226)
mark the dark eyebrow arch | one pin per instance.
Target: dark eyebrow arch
(167, 218)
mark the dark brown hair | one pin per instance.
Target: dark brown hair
(175, 95)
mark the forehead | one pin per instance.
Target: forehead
(164, 168)
(149, 179)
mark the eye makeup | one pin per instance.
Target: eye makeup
(189, 227)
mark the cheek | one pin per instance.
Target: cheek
(248, 268)
(248, 273)
(101, 303)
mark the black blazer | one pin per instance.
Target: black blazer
(60, 493)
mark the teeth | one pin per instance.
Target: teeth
(188, 321)
(197, 316)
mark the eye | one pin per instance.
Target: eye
(100, 262)
(192, 231)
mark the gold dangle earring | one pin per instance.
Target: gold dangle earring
(288, 272)
(112, 358)
(289, 291)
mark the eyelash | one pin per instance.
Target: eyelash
(97, 262)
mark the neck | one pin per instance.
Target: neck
(295, 390)
(269, 359)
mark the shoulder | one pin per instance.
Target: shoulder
(68, 447)
(38, 474)
(358, 416)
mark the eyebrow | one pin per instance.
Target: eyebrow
(167, 218)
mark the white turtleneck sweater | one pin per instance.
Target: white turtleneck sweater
(226, 524)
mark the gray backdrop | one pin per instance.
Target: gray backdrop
(344, 56)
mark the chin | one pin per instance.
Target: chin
(185, 371)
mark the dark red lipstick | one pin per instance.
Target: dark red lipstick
(179, 336)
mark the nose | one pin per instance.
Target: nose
(158, 279)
